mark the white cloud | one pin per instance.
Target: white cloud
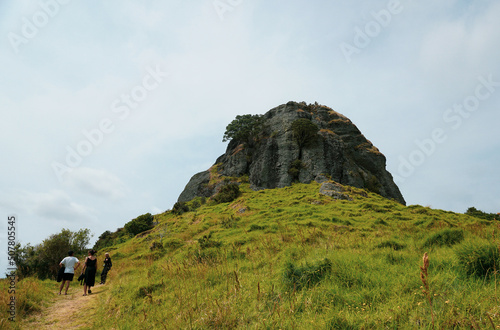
(54, 205)
(97, 183)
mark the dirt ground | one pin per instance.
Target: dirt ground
(69, 311)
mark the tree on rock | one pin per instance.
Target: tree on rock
(244, 129)
(304, 133)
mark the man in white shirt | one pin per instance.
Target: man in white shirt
(70, 263)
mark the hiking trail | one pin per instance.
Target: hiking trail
(71, 311)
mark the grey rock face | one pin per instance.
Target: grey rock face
(339, 152)
(197, 186)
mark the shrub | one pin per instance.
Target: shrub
(445, 237)
(298, 277)
(473, 212)
(479, 260)
(207, 256)
(256, 227)
(228, 223)
(148, 290)
(391, 244)
(180, 208)
(156, 246)
(294, 170)
(138, 225)
(227, 193)
(173, 243)
(207, 242)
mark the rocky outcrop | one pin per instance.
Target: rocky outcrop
(339, 152)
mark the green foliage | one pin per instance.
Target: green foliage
(373, 184)
(108, 238)
(208, 242)
(42, 260)
(445, 237)
(473, 212)
(229, 222)
(180, 208)
(254, 227)
(391, 244)
(295, 168)
(304, 132)
(227, 193)
(244, 129)
(148, 290)
(173, 243)
(478, 259)
(298, 277)
(140, 224)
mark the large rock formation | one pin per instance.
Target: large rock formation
(274, 159)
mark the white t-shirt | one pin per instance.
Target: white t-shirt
(69, 263)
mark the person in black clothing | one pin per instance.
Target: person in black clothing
(106, 268)
(89, 269)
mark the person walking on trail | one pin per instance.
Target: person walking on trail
(90, 270)
(106, 268)
(70, 263)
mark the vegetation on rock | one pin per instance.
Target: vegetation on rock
(244, 129)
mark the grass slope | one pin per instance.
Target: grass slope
(292, 258)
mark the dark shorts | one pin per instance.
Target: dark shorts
(68, 277)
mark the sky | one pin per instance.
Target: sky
(109, 107)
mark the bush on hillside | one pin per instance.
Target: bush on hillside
(207, 242)
(481, 260)
(180, 208)
(140, 224)
(108, 238)
(298, 277)
(391, 244)
(445, 237)
(473, 212)
(227, 193)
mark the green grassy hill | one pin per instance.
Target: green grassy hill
(292, 258)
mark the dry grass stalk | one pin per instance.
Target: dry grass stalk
(491, 321)
(423, 276)
(237, 285)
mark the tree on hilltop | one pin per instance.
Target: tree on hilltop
(244, 129)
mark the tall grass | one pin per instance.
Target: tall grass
(31, 296)
(295, 259)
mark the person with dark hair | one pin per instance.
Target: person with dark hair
(89, 269)
(106, 268)
(69, 263)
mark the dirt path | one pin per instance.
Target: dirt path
(70, 311)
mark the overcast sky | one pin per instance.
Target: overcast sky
(109, 107)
